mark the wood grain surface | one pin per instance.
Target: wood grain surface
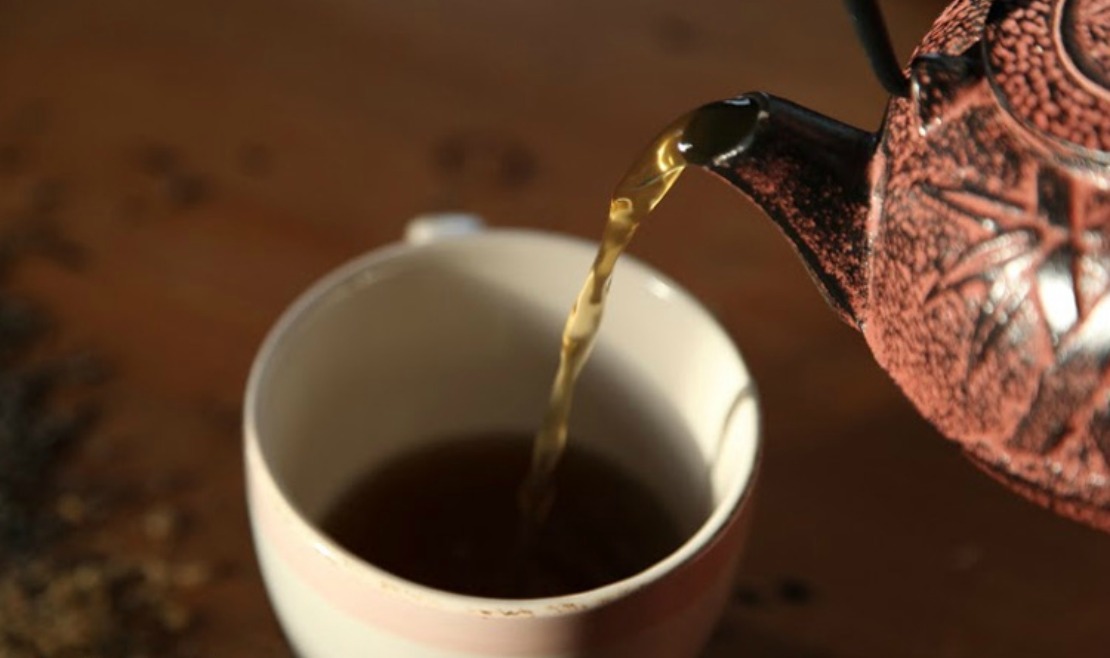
(213, 157)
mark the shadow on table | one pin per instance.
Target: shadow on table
(736, 638)
(739, 636)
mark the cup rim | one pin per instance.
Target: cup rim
(323, 290)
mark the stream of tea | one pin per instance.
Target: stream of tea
(638, 192)
(474, 536)
(708, 132)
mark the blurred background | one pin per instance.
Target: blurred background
(173, 173)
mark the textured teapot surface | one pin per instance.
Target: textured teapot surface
(989, 233)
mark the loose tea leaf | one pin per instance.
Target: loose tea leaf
(58, 600)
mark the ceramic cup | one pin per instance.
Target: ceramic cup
(455, 332)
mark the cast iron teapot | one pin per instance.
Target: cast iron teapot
(969, 239)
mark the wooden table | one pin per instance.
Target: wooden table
(212, 158)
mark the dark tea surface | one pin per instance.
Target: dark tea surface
(447, 517)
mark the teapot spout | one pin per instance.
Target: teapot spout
(808, 173)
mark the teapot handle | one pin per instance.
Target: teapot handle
(872, 33)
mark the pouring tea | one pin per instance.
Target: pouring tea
(968, 240)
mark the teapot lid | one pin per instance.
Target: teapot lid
(1049, 65)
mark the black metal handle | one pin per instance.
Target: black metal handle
(871, 30)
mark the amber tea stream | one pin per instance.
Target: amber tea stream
(475, 537)
(696, 137)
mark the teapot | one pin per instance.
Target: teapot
(969, 238)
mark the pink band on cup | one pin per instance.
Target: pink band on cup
(388, 605)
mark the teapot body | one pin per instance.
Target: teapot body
(988, 278)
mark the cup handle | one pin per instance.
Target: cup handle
(440, 225)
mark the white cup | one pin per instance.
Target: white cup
(455, 332)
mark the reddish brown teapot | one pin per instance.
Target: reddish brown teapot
(970, 239)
